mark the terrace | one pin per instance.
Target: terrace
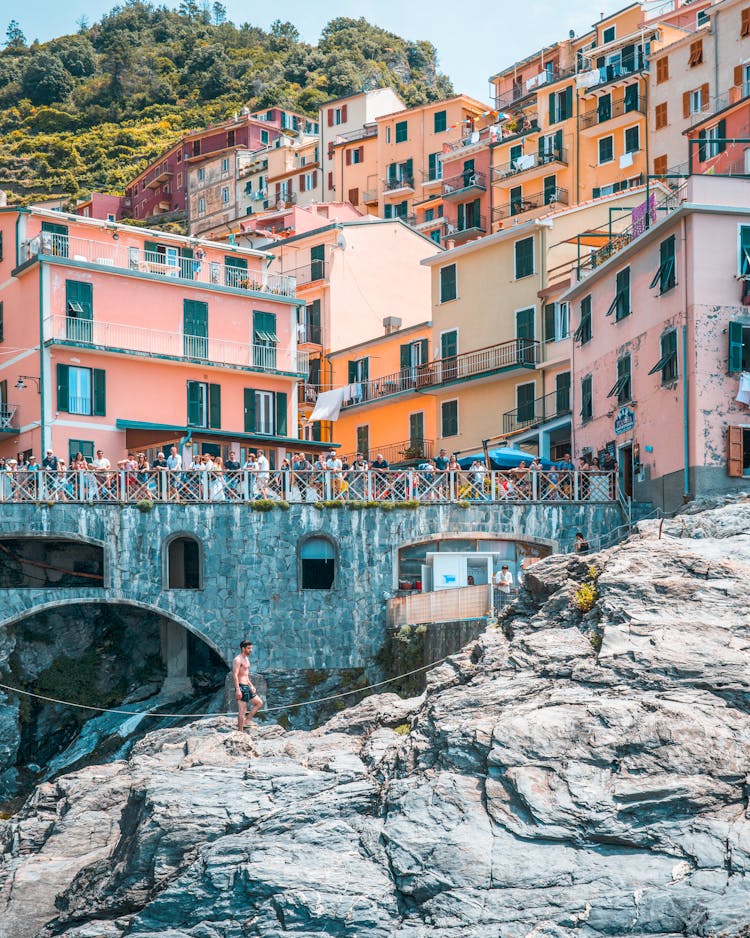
(529, 202)
(549, 407)
(607, 111)
(527, 163)
(464, 184)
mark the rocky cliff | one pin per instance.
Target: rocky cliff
(569, 773)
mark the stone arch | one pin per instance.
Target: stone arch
(183, 561)
(317, 561)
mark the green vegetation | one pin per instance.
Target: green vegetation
(585, 597)
(88, 111)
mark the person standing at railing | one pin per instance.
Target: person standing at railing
(502, 582)
(216, 491)
(232, 468)
(263, 473)
(80, 467)
(174, 467)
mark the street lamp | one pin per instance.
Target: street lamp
(21, 385)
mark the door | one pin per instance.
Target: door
(211, 449)
(55, 239)
(195, 329)
(625, 469)
(265, 339)
(562, 393)
(235, 272)
(172, 256)
(79, 311)
(449, 354)
(525, 335)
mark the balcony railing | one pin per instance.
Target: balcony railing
(517, 353)
(153, 343)
(403, 451)
(397, 184)
(471, 225)
(528, 203)
(430, 487)
(361, 133)
(601, 115)
(369, 196)
(309, 273)
(135, 259)
(430, 223)
(530, 161)
(523, 90)
(617, 70)
(464, 183)
(550, 407)
(736, 93)
(8, 418)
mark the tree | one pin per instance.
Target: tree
(220, 13)
(46, 79)
(82, 23)
(14, 37)
(76, 53)
(190, 9)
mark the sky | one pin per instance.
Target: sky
(473, 41)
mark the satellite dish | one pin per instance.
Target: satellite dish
(341, 242)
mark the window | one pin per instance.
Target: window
(560, 105)
(739, 347)
(183, 557)
(525, 397)
(179, 183)
(609, 35)
(621, 389)
(201, 206)
(358, 155)
(449, 418)
(195, 329)
(524, 258)
(402, 129)
(265, 412)
(387, 134)
(81, 390)
(738, 451)
(562, 393)
(667, 363)
(225, 165)
(660, 115)
(225, 195)
(435, 167)
(632, 139)
(712, 141)
(550, 189)
(317, 262)
(440, 119)
(743, 267)
(312, 327)
(583, 332)
(201, 175)
(696, 53)
(84, 447)
(556, 321)
(317, 558)
(196, 148)
(662, 70)
(587, 399)
(203, 404)
(448, 283)
(265, 339)
(264, 137)
(606, 149)
(435, 235)
(666, 276)
(79, 311)
(702, 16)
(620, 305)
(331, 185)
(745, 23)
(516, 200)
(631, 99)
(230, 138)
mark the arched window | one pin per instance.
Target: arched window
(184, 564)
(318, 563)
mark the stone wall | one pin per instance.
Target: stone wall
(251, 580)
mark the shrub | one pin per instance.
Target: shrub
(262, 504)
(282, 505)
(145, 505)
(596, 641)
(408, 504)
(356, 504)
(403, 729)
(464, 504)
(585, 597)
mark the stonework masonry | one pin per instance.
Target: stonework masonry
(251, 578)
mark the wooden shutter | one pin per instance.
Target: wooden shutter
(552, 109)
(214, 406)
(100, 393)
(409, 169)
(302, 183)
(314, 178)
(734, 452)
(405, 356)
(250, 409)
(354, 196)
(660, 165)
(735, 347)
(278, 191)
(704, 96)
(745, 23)
(662, 70)
(348, 157)
(151, 251)
(701, 146)
(696, 53)
(660, 115)
(549, 322)
(569, 101)
(423, 351)
(330, 181)
(344, 111)
(194, 403)
(2, 323)
(686, 104)
(738, 74)
(281, 424)
(361, 154)
(63, 388)
(330, 117)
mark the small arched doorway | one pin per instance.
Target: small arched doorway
(184, 563)
(317, 557)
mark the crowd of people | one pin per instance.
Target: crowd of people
(301, 477)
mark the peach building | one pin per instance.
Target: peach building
(141, 339)
(351, 276)
(661, 365)
(695, 77)
(399, 427)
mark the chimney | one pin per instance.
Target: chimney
(450, 244)
(391, 324)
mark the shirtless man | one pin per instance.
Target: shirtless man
(244, 689)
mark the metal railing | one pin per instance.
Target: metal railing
(464, 182)
(8, 417)
(719, 102)
(319, 484)
(530, 161)
(600, 115)
(529, 87)
(173, 265)
(616, 70)
(400, 182)
(309, 273)
(549, 407)
(529, 203)
(403, 450)
(446, 605)
(154, 343)
(475, 223)
(516, 353)
(369, 196)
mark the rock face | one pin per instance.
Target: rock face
(538, 788)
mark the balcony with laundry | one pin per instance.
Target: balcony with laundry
(615, 62)
(531, 165)
(527, 78)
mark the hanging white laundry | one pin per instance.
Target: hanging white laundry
(626, 160)
(588, 79)
(743, 395)
(525, 162)
(328, 405)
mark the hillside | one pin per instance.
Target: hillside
(89, 110)
(567, 775)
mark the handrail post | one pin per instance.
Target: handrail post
(534, 486)
(576, 485)
(245, 485)
(369, 485)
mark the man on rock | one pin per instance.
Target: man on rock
(245, 691)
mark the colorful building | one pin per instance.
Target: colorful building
(661, 374)
(141, 339)
(694, 77)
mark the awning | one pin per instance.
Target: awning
(163, 432)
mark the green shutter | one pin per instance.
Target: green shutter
(351, 371)
(448, 344)
(409, 169)
(281, 427)
(549, 322)
(186, 263)
(249, 410)
(235, 271)
(735, 347)
(558, 143)
(63, 385)
(701, 145)
(214, 406)
(151, 252)
(194, 403)
(552, 114)
(404, 356)
(100, 393)
(195, 328)
(525, 324)
(744, 265)
(432, 162)
(423, 351)
(722, 143)
(2, 323)
(569, 101)
(447, 283)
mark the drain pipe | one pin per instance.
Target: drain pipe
(685, 385)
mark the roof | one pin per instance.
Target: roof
(407, 330)
(365, 221)
(466, 98)
(358, 94)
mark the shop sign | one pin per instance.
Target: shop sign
(624, 421)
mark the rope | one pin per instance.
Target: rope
(207, 716)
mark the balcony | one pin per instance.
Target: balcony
(602, 115)
(141, 341)
(361, 133)
(429, 224)
(525, 89)
(467, 229)
(401, 185)
(8, 422)
(543, 409)
(458, 187)
(158, 177)
(532, 161)
(135, 260)
(428, 181)
(530, 203)
(735, 94)
(370, 196)
(516, 354)
(309, 273)
(616, 71)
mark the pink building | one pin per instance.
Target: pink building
(661, 346)
(102, 205)
(119, 338)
